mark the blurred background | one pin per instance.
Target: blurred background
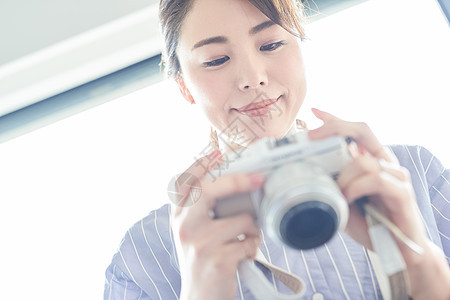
(91, 133)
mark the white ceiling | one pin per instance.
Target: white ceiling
(50, 47)
(27, 26)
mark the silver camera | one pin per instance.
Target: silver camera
(300, 203)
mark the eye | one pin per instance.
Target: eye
(216, 62)
(272, 46)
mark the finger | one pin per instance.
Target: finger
(232, 227)
(365, 164)
(231, 184)
(191, 178)
(394, 193)
(205, 164)
(223, 186)
(227, 259)
(392, 157)
(197, 219)
(361, 165)
(250, 246)
(392, 198)
(235, 183)
(358, 131)
(394, 169)
(214, 234)
(324, 116)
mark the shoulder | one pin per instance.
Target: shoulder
(150, 238)
(147, 254)
(430, 180)
(423, 166)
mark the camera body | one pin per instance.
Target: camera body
(300, 203)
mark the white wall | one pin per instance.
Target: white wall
(386, 63)
(70, 191)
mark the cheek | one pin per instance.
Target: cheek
(209, 89)
(293, 69)
(290, 73)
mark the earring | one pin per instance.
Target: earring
(213, 139)
(301, 125)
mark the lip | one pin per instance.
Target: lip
(259, 108)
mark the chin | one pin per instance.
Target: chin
(272, 128)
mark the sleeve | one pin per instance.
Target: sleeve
(144, 265)
(119, 286)
(438, 178)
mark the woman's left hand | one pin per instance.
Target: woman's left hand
(374, 172)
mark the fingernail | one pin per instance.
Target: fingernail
(316, 110)
(256, 179)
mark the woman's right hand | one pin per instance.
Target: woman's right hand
(208, 249)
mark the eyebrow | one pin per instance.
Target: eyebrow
(261, 27)
(222, 40)
(212, 40)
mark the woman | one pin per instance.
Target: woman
(241, 62)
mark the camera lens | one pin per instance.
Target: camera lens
(308, 225)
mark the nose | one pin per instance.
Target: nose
(252, 74)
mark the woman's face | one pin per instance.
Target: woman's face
(243, 70)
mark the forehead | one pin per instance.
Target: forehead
(219, 17)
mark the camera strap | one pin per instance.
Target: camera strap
(393, 286)
(387, 262)
(262, 288)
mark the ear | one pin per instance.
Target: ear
(184, 90)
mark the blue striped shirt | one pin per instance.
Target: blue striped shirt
(146, 267)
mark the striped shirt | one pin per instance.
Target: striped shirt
(146, 266)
